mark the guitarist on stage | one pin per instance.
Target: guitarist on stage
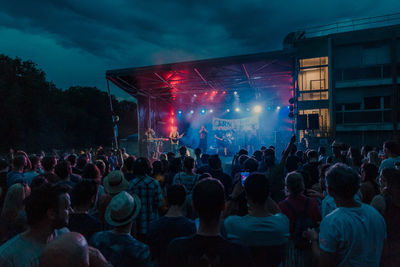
(221, 141)
(174, 137)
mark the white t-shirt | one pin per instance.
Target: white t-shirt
(22, 252)
(328, 204)
(19, 251)
(355, 234)
(258, 231)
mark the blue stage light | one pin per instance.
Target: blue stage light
(179, 112)
(203, 111)
(192, 111)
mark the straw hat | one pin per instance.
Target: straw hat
(115, 182)
(123, 209)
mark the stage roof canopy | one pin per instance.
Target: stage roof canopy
(263, 75)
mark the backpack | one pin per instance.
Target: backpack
(302, 223)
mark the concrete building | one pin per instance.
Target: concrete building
(350, 79)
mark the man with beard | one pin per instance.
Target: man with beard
(47, 210)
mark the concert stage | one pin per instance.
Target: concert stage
(242, 101)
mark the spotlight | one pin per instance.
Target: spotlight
(269, 108)
(192, 111)
(235, 93)
(278, 107)
(228, 110)
(211, 111)
(257, 109)
(194, 95)
(237, 109)
(180, 112)
(203, 111)
(224, 92)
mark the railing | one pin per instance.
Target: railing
(352, 25)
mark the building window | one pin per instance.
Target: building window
(376, 109)
(313, 79)
(323, 115)
(352, 106)
(387, 100)
(372, 102)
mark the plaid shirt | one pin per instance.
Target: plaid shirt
(149, 192)
(121, 250)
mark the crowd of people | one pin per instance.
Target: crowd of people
(300, 208)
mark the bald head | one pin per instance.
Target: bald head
(70, 249)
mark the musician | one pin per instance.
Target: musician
(149, 135)
(203, 139)
(174, 137)
(221, 141)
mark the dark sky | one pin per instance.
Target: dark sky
(75, 42)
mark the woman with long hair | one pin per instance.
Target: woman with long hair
(13, 218)
(369, 187)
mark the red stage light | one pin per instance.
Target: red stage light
(172, 121)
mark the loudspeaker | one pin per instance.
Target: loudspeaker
(301, 122)
(313, 121)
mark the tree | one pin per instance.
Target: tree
(37, 115)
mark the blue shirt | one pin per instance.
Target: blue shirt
(189, 181)
(356, 235)
(121, 249)
(258, 231)
(29, 176)
(14, 177)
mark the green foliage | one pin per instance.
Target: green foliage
(35, 115)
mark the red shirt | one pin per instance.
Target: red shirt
(298, 202)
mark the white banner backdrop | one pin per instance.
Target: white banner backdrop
(245, 124)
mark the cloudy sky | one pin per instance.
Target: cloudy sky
(75, 42)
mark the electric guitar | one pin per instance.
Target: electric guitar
(175, 140)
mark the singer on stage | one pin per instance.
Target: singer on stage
(203, 139)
